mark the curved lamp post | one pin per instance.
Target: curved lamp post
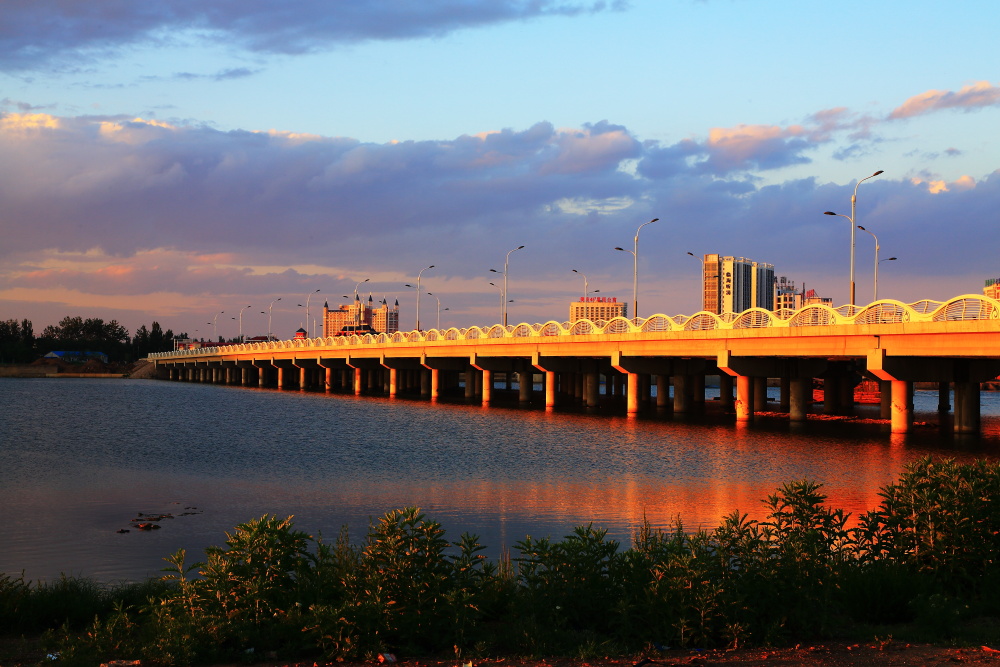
(853, 220)
(241, 321)
(635, 270)
(420, 273)
(439, 309)
(215, 330)
(877, 248)
(269, 335)
(506, 261)
(586, 288)
(309, 296)
(887, 259)
(501, 299)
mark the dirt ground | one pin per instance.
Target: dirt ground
(826, 654)
(832, 655)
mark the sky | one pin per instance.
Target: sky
(192, 163)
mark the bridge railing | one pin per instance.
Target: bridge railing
(884, 311)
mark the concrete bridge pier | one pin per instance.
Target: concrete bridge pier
(524, 384)
(486, 376)
(784, 394)
(902, 406)
(831, 394)
(261, 366)
(550, 389)
(799, 398)
(944, 397)
(450, 365)
(967, 407)
(698, 390)
(726, 392)
(965, 373)
(632, 394)
(800, 371)
(885, 399)
(682, 393)
(759, 393)
(435, 384)
(744, 398)
(592, 389)
(662, 391)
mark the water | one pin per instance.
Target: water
(79, 459)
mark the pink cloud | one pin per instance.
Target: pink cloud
(973, 96)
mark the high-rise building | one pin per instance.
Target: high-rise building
(382, 318)
(736, 284)
(596, 308)
(992, 288)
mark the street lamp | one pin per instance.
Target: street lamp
(418, 292)
(501, 299)
(877, 248)
(215, 330)
(439, 309)
(635, 270)
(887, 259)
(241, 321)
(269, 336)
(504, 301)
(309, 296)
(586, 289)
(853, 219)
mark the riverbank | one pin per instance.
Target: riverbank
(141, 369)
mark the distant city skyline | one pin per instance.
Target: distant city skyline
(169, 163)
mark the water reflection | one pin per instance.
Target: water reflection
(105, 449)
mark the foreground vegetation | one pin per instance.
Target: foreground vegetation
(925, 557)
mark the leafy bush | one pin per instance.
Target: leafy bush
(926, 555)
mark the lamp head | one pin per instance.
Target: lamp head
(691, 253)
(877, 172)
(829, 213)
(862, 228)
(890, 259)
(622, 249)
(654, 219)
(518, 247)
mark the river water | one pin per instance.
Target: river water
(79, 459)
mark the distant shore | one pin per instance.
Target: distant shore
(140, 369)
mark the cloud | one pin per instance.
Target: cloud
(176, 218)
(34, 33)
(971, 97)
(224, 75)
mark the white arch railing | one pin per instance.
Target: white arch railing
(885, 311)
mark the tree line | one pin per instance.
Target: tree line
(19, 344)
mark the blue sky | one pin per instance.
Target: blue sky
(174, 161)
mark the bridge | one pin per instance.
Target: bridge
(954, 343)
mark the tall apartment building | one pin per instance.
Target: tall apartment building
(992, 288)
(595, 308)
(382, 318)
(736, 284)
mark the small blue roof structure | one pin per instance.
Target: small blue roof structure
(77, 356)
